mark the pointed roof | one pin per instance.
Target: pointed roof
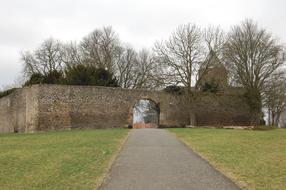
(212, 60)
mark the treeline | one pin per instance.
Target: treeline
(253, 57)
(99, 59)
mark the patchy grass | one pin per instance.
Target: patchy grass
(254, 159)
(57, 160)
(264, 128)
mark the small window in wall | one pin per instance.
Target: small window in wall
(146, 114)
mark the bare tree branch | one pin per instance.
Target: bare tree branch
(252, 55)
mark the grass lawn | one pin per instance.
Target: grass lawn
(57, 160)
(254, 159)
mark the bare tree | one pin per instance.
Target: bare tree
(252, 56)
(274, 94)
(147, 71)
(186, 57)
(214, 39)
(124, 68)
(71, 54)
(188, 53)
(45, 59)
(181, 55)
(137, 70)
(101, 48)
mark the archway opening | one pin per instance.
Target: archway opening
(146, 114)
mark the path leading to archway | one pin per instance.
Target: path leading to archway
(153, 159)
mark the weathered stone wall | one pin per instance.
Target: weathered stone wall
(65, 107)
(32, 109)
(59, 107)
(18, 111)
(6, 125)
(222, 109)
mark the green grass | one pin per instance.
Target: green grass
(254, 159)
(57, 160)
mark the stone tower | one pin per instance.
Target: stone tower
(213, 74)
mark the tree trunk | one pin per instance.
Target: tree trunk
(269, 117)
(255, 118)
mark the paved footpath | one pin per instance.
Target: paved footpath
(153, 159)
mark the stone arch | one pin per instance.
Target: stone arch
(156, 107)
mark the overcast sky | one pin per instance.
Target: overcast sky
(24, 24)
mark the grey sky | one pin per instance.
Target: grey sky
(24, 24)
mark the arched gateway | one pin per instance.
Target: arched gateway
(146, 114)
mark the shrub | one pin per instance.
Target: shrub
(7, 92)
(82, 74)
(210, 87)
(174, 89)
(36, 78)
(53, 77)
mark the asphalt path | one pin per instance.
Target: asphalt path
(153, 159)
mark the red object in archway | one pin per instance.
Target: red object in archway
(143, 125)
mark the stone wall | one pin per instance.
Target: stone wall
(18, 111)
(64, 107)
(222, 109)
(6, 125)
(59, 107)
